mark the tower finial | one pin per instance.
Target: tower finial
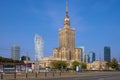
(66, 20)
(66, 7)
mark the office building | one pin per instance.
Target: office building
(91, 56)
(86, 58)
(39, 45)
(15, 52)
(107, 53)
(82, 53)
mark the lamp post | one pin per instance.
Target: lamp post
(26, 62)
(61, 64)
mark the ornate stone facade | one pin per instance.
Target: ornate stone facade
(67, 50)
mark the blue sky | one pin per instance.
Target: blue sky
(97, 24)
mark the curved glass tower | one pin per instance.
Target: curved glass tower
(39, 44)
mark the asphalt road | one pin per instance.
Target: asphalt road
(89, 76)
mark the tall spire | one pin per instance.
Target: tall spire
(66, 20)
(66, 8)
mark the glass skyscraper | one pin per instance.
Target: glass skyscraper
(39, 44)
(91, 56)
(82, 53)
(107, 53)
(86, 58)
(15, 52)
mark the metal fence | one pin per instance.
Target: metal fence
(34, 75)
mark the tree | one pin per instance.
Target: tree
(54, 65)
(114, 63)
(59, 64)
(9, 60)
(64, 64)
(83, 65)
(108, 64)
(74, 64)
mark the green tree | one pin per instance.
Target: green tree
(54, 64)
(74, 64)
(64, 64)
(83, 65)
(9, 60)
(114, 63)
(108, 64)
(59, 64)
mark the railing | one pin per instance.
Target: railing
(34, 75)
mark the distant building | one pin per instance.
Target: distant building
(107, 53)
(23, 58)
(86, 58)
(97, 65)
(39, 44)
(15, 52)
(82, 53)
(91, 56)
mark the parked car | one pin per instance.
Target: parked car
(1, 71)
(45, 70)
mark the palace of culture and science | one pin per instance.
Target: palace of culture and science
(66, 50)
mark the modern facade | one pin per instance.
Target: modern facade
(67, 49)
(86, 58)
(107, 53)
(15, 52)
(91, 56)
(39, 45)
(82, 53)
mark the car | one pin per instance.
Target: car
(45, 70)
(1, 71)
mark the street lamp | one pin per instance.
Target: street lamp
(26, 61)
(61, 64)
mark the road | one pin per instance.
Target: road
(89, 76)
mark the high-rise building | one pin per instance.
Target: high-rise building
(15, 52)
(39, 45)
(91, 56)
(82, 53)
(107, 53)
(66, 49)
(86, 58)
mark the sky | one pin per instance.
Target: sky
(97, 24)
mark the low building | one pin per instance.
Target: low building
(48, 60)
(97, 65)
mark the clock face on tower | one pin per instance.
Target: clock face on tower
(66, 19)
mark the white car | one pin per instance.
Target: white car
(1, 71)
